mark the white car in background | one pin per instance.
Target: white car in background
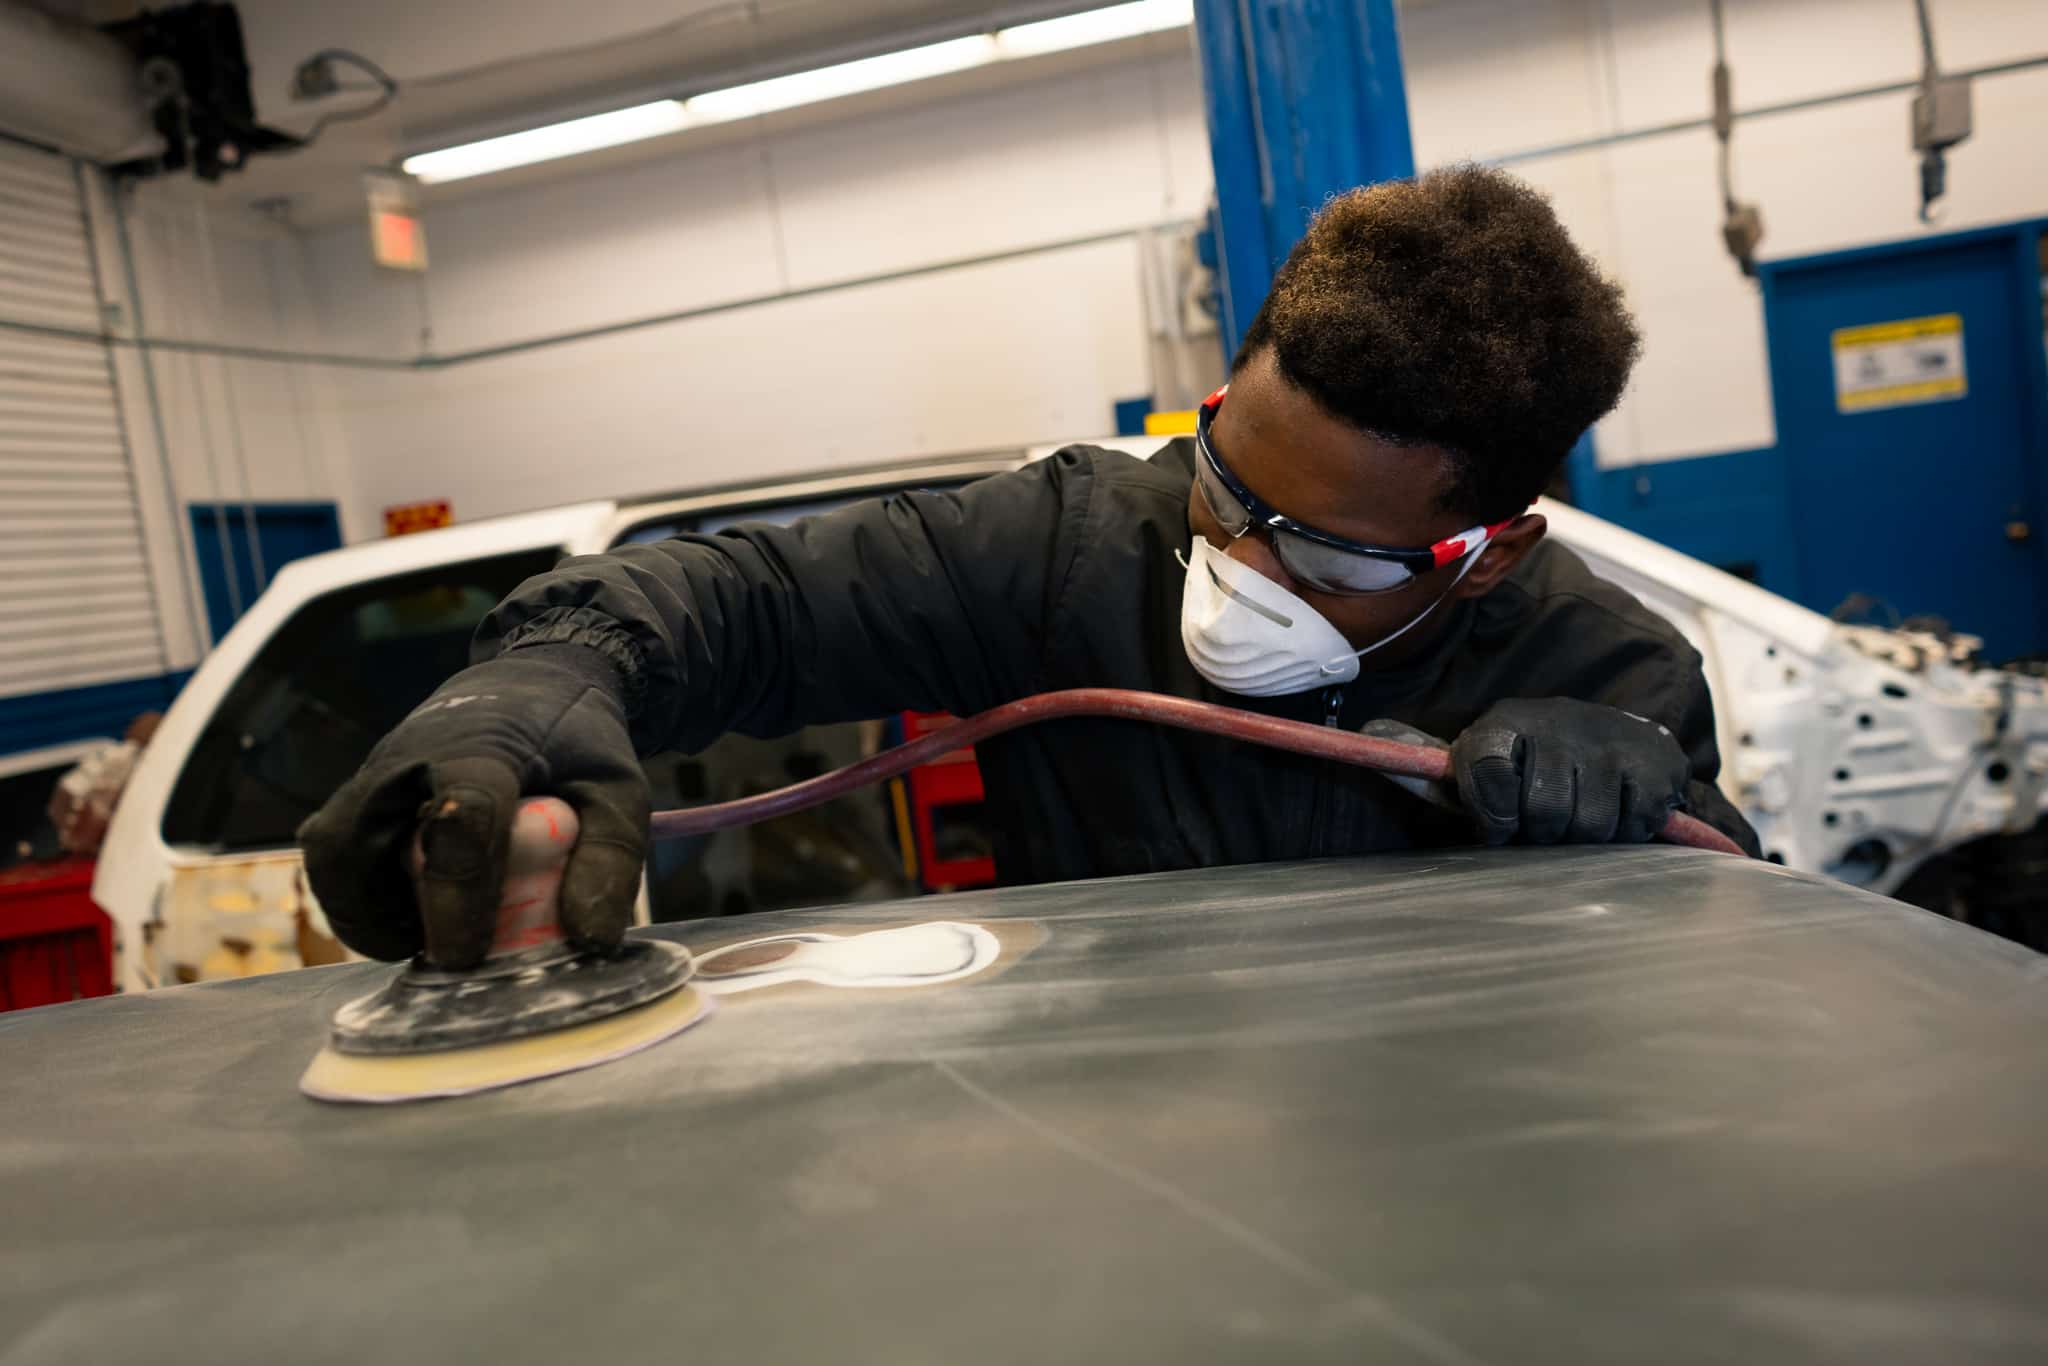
(1879, 757)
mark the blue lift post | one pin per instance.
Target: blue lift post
(1305, 100)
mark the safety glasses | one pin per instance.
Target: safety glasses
(1316, 559)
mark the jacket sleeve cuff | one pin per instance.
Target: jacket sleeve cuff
(587, 640)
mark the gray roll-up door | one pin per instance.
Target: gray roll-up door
(76, 603)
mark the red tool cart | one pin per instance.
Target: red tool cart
(951, 780)
(55, 945)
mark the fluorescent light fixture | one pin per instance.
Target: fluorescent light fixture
(1096, 26)
(848, 78)
(546, 144)
(804, 87)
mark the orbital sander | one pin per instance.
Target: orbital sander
(536, 1006)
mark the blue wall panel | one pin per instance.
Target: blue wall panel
(1730, 510)
(55, 718)
(283, 532)
(1747, 509)
(1918, 496)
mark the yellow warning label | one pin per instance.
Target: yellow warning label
(1940, 325)
(1892, 364)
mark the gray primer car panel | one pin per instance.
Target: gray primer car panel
(1628, 1105)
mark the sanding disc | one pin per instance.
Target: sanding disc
(538, 990)
(382, 1079)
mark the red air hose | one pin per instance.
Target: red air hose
(1322, 742)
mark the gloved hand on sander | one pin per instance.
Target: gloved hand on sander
(544, 718)
(1557, 771)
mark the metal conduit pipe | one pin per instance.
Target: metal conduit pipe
(430, 361)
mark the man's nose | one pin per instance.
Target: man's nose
(1255, 551)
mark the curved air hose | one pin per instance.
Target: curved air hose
(1322, 742)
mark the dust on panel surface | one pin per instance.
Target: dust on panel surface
(1514, 1106)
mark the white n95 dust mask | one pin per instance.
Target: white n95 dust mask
(1248, 635)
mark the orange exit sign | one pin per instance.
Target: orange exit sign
(397, 241)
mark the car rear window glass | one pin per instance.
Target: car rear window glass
(351, 664)
(338, 675)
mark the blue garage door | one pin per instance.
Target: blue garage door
(1904, 387)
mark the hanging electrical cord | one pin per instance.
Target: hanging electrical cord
(1941, 117)
(1742, 225)
(764, 152)
(279, 213)
(121, 199)
(315, 79)
(251, 534)
(1926, 36)
(165, 230)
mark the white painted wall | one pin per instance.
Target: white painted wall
(998, 354)
(1490, 78)
(232, 430)
(1038, 347)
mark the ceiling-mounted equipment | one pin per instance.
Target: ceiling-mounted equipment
(659, 117)
(1742, 225)
(71, 88)
(1941, 118)
(194, 74)
(167, 90)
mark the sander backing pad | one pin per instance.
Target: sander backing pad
(382, 1078)
(535, 1006)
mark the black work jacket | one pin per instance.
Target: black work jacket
(1063, 574)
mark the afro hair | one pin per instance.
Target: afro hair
(1452, 310)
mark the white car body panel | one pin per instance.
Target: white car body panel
(1835, 738)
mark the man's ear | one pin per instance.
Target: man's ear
(1503, 553)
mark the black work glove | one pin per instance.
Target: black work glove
(545, 720)
(1560, 771)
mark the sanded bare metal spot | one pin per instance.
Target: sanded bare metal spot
(746, 957)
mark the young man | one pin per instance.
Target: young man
(1353, 520)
